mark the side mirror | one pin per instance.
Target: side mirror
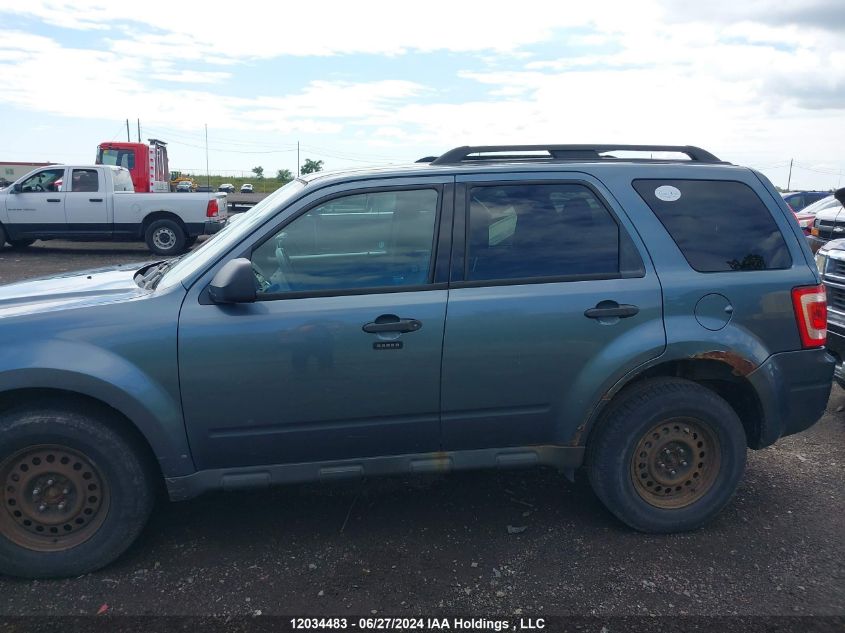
(234, 283)
(17, 188)
(839, 194)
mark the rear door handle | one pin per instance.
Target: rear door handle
(54, 199)
(95, 199)
(622, 311)
(392, 323)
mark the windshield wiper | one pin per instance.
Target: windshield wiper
(150, 279)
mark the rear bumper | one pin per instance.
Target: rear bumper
(212, 226)
(836, 346)
(794, 388)
(195, 229)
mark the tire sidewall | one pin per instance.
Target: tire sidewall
(2, 236)
(173, 225)
(130, 496)
(613, 479)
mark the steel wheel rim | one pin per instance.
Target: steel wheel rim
(675, 463)
(164, 238)
(54, 498)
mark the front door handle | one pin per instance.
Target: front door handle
(54, 199)
(95, 199)
(391, 323)
(611, 309)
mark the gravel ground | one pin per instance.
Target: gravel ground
(411, 546)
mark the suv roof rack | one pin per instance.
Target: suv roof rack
(471, 153)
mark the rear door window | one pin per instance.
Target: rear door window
(719, 225)
(537, 231)
(85, 180)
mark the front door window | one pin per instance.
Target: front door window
(363, 241)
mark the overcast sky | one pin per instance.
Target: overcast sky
(756, 82)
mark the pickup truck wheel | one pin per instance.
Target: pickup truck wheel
(165, 237)
(667, 456)
(20, 243)
(2, 236)
(76, 494)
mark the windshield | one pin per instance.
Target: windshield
(116, 157)
(231, 235)
(824, 203)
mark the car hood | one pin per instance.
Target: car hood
(831, 213)
(71, 290)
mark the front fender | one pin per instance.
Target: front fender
(92, 371)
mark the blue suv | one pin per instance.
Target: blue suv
(568, 306)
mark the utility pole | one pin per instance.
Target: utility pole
(139, 130)
(789, 180)
(207, 175)
(297, 159)
(128, 139)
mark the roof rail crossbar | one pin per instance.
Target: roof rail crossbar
(563, 152)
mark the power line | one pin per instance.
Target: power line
(219, 141)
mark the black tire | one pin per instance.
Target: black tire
(110, 466)
(165, 237)
(18, 244)
(2, 236)
(631, 489)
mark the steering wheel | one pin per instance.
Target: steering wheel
(38, 187)
(263, 284)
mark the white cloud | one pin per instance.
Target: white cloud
(755, 74)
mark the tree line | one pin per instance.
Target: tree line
(284, 175)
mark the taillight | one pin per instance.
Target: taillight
(810, 303)
(212, 209)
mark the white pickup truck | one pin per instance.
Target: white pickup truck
(98, 202)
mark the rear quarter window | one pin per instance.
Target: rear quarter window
(719, 225)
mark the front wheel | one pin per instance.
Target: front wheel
(667, 456)
(76, 493)
(165, 237)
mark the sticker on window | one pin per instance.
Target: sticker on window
(667, 193)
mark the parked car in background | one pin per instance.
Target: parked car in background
(247, 188)
(100, 203)
(807, 216)
(227, 187)
(649, 320)
(830, 260)
(829, 223)
(184, 185)
(800, 199)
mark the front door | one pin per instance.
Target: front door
(38, 209)
(552, 304)
(86, 204)
(340, 356)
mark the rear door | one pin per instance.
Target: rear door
(552, 300)
(86, 203)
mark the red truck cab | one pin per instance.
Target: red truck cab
(146, 163)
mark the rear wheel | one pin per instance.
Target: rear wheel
(76, 493)
(2, 236)
(20, 243)
(667, 456)
(165, 237)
